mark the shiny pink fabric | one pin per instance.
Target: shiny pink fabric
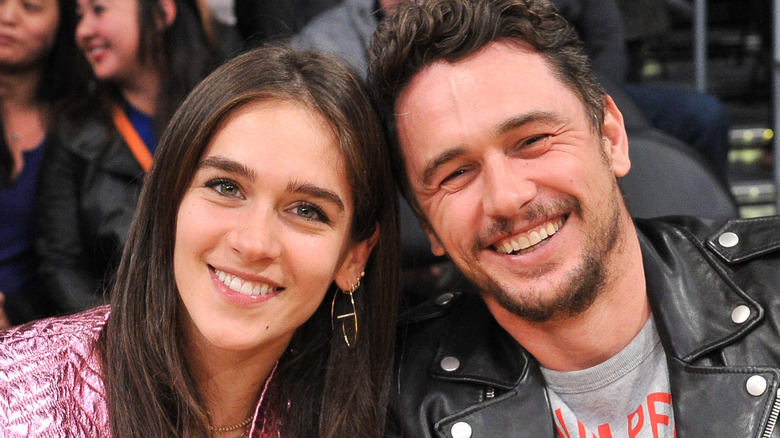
(51, 383)
(50, 378)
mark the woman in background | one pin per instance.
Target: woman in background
(146, 56)
(249, 301)
(39, 69)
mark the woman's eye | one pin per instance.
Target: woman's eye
(225, 187)
(310, 212)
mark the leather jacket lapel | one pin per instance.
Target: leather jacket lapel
(675, 286)
(719, 393)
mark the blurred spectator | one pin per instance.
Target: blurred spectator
(259, 21)
(4, 321)
(699, 120)
(223, 21)
(146, 56)
(39, 68)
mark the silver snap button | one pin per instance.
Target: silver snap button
(740, 314)
(450, 363)
(728, 240)
(444, 299)
(461, 430)
(756, 385)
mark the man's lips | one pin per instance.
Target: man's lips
(529, 239)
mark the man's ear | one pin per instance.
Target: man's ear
(169, 13)
(436, 246)
(616, 138)
(354, 263)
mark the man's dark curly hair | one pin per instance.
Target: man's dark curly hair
(423, 32)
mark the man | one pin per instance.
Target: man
(584, 323)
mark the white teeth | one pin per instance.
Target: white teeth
(242, 286)
(530, 238)
(522, 243)
(507, 247)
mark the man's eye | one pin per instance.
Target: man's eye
(535, 139)
(225, 187)
(454, 175)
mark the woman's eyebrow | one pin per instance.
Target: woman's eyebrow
(229, 165)
(316, 191)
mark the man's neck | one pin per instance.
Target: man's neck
(569, 343)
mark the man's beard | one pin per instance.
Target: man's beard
(581, 286)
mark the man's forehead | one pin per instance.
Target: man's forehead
(470, 70)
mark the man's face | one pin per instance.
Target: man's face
(517, 187)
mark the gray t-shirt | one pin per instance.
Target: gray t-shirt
(626, 396)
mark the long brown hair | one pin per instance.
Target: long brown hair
(320, 388)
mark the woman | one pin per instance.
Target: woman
(248, 301)
(146, 55)
(38, 69)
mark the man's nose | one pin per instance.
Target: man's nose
(506, 188)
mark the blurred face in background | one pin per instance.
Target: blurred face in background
(28, 30)
(109, 36)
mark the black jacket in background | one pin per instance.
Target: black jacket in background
(89, 187)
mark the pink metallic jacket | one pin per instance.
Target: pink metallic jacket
(51, 383)
(50, 378)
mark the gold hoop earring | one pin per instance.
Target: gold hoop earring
(343, 317)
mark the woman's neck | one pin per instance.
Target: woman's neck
(230, 383)
(23, 117)
(143, 91)
(20, 89)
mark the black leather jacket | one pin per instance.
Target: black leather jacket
(694, 283)
(89, 187)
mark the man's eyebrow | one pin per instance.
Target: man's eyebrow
(315, 191)
(229, 165)
(525, 118)
(433, 165)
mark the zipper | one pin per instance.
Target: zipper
(773, 414)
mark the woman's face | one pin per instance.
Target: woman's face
(108, 35)
(28, 29)
(263, 230)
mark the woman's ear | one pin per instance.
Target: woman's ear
(169, 13)
(354, 263)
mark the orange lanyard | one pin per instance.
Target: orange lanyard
(131, 137)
